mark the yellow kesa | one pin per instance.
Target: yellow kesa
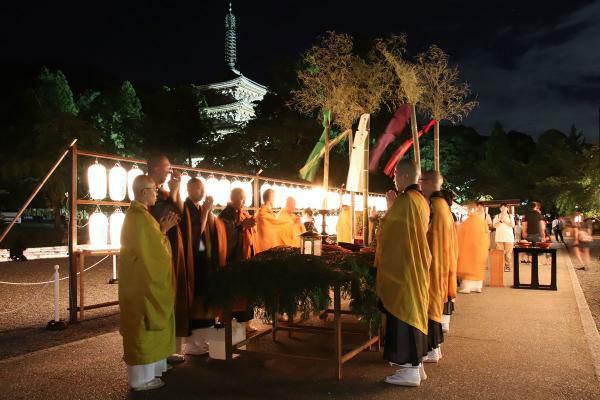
(290, 232)
(267, 229)
(344, 225)
(146, 289)
(403, 260)
(444, 253)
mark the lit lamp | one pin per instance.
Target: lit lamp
(165, 185)
(133, 173)
(97, 181)
(115, 223)
(249, 191)
(183, 181)
(223, 191)
(212, 187)
(98, 229)
(117, 183)
(311, 243)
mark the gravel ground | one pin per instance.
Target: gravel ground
(590, 279)
(25, 310)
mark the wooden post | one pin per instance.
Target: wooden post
(366, 187)
(256, 194)
(326, 167)
(81, 266)
(337, 332)
(415, 136)
(436, 146)
(353, 217)
(73, 261)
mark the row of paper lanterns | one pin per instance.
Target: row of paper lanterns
(105, 230)
(120, 181)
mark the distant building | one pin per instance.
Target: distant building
(232, 100)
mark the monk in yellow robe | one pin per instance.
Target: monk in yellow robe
(291, 231)
(170, 201)
(403, 260)
(444, 252)
(268, 227)
(473, 245)
(146, 296)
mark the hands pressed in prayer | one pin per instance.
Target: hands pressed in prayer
(168, 221)
(174, 182)
(209, 203)
(248, 223)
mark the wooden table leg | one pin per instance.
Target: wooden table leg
(535, 280)
(81, 286)
(275, 322)
(337, 332)
(227, 319)
(553, 271)
(516, 264)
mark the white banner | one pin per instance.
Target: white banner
(355, 177)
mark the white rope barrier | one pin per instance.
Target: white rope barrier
(50, 281)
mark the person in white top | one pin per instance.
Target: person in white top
(505, 236)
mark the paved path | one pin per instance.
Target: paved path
(504, 344)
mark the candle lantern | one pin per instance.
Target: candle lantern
(97, 181)
(117, 183)
(98, 229)
(133, 173)
(310, 243)
(115, 223)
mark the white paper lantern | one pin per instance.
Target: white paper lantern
(333, 200)
(358, 202)
(165, 185)
(316, 198)
(249, 190)
(223, 191)
(97, 181)
(211, 187)
(98, 229)
(183, 181)
(115, 223)
(263, 188)
(295, 192)
(117, 183)
(280, 195)
(347, 199)
(133, 173)
(381, 203)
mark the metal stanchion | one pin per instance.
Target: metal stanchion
(56, 324)
(114, 278)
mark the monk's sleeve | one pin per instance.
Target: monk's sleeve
(155, 254)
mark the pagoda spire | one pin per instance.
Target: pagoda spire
(230, 40)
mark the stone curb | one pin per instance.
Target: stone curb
(589, 325)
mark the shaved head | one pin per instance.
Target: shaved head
(431, 181)
(144, 189)
(406, 174)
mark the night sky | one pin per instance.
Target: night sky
(534, 65)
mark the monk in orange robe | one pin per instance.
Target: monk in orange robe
(402, 260)
(473, 245)
(268, 226)
(444, 253)
(236, 231)
(290, 232)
